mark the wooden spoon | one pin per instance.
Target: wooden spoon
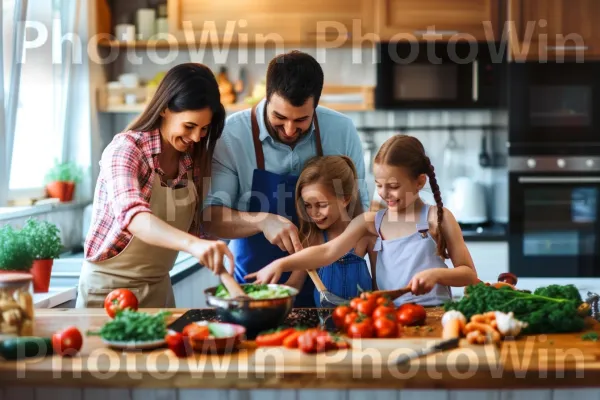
(393, 294)
(234, 288)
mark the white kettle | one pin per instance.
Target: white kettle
(468, 201)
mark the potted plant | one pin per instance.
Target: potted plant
(61, 180)
(14, 253)
(44, 245)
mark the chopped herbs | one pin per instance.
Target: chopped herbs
(590, 336)
(134, 326)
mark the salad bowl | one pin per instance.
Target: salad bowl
(267, 307)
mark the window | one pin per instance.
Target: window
(37, 128)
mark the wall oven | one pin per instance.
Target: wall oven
(554, 108)
(439, 74)
(554, 225)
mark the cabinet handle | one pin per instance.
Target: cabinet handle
(567, 48)
(556, 179)
(422, 32)
(475, 81)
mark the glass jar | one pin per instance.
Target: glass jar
(16, 305)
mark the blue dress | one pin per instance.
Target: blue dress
(344, 276)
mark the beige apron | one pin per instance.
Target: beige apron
(141, 267)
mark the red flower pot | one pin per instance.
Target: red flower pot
(41, 270)
(61, 190)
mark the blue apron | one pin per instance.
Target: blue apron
(268, 189)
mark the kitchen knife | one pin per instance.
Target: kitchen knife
(442, 346)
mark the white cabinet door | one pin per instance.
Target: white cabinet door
(490, 258)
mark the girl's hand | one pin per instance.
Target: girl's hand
(423, 282)
(269, 274)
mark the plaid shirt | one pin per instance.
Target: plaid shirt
(128, 168)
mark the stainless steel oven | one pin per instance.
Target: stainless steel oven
(554, 225)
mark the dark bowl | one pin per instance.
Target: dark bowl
(254, 315)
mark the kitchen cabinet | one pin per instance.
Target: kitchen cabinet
(468, 18)
(554, 29)
(189, 292)
(272, 21)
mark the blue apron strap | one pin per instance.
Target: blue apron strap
(423, 224)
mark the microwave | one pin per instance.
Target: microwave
(440, 75)
(554, 109)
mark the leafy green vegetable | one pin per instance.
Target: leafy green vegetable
(590, 336)
(258, 292)
(43, 239)
(547, 310)
(14, 254)
(134, 326)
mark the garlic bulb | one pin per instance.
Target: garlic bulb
(453, 314)
(508, 325)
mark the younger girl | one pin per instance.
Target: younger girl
(413, 238)
(326, 200)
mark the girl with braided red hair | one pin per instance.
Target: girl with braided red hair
(413, 238)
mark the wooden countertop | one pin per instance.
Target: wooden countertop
(537, 361)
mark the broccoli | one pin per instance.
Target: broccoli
(551, 309)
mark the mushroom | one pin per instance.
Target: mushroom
(453, 323)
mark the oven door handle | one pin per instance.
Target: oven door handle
(559, 179)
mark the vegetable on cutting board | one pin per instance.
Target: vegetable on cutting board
(118, 300)
(67, 342)
(308, 340)
(550, 309)
(134, 326)
(18, 348)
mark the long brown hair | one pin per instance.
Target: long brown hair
(338, 174)
(186, 87)
(408, 152)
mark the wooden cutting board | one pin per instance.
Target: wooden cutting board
(372, 352)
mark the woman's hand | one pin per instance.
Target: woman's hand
(211, 254)
(424, 281)
(269, 274)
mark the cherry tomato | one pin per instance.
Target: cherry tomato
(178, 343)
(355, 302)
(67, 342)
(118, 300)
(367, 306)
(349, 319)
(383, 311)
(385, 301)
(386, 327)
(411, 314)
(307, 342)
(361, 328)
(339, 314)
(274, 338)
(196, 332)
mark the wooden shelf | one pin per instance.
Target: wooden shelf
(363, 96)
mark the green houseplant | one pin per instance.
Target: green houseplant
(61, 180)
(44, 245)
(14, 253)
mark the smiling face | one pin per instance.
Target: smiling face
(289, 122)
(322, 206)
(181, 130)
(396, 186)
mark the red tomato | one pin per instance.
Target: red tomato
(383, 311)
(120, 299)
(67, 342)
(307, 342)
(355, 302)
(411, 314)
(349, 319)
(362, 328)
(385, 301)
(339, 314)
(273, 338)
(367, 306)
(386, 327)
(196, 332)
(178, 343)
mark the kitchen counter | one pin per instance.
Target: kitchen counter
(540, 361)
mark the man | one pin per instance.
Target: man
(257, 161)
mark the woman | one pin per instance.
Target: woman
(146, 205)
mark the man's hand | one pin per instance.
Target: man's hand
(281, 232)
